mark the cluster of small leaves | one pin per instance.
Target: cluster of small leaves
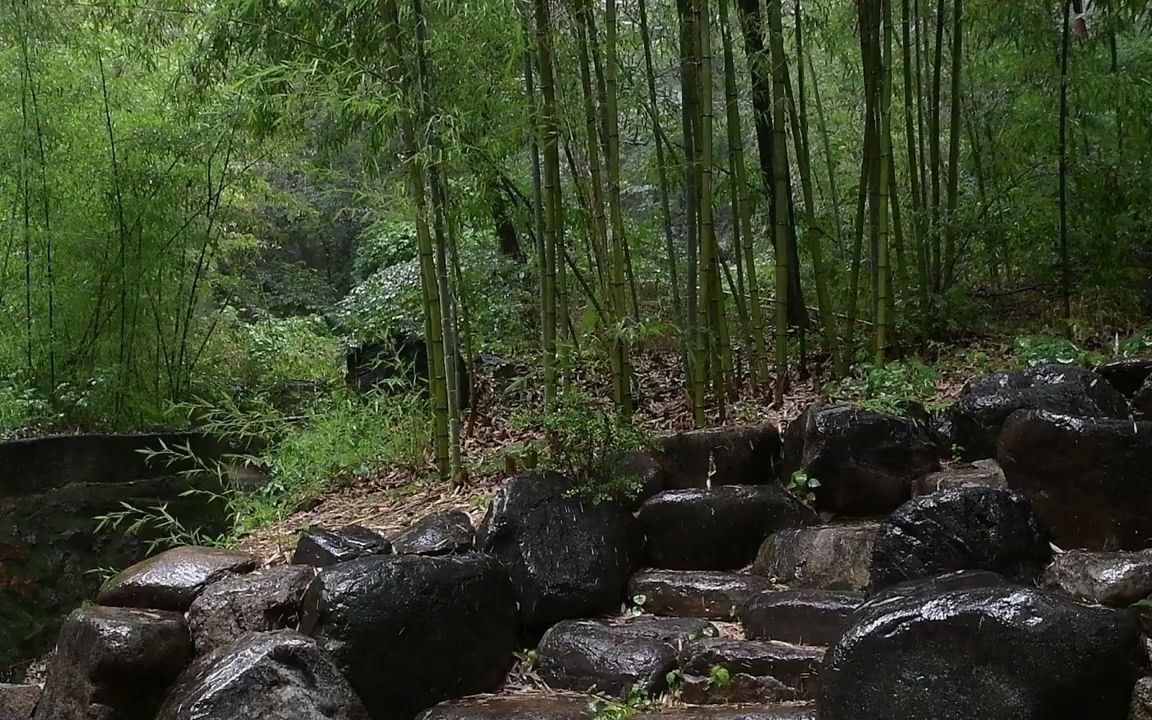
(590, 442)
(890, 388)
(1033, 350)
(803, 486)
(608, 709)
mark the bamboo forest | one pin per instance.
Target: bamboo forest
(268, 266)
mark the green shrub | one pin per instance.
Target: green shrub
(889, 388)
(1033, 350)
(587, 440)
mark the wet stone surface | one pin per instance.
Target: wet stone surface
(446, 533)
(267, 599)
(448, 626)
(567, 557)
(718, 528)
(1108, 578)
(279, 675)
(864, 461)
(966, 529)
(995, 653)
(693, 593)
(806, 617)
(321, 548)
(1087, 477)
(826, 557)
(114, 662)
(173, 579)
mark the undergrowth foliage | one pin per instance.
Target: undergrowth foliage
(590, 442)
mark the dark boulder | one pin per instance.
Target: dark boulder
(1107, 578)
(567, 557)
(444, 533)
(267, 599)
(397, 361)
(988, 653)
(693, 593)
(114, 663)
(320, 548)
(865, 462)
(517, 707)
(676, 631)
(806, 617)
(978, 473)
(717, 528)
(173, 579)
(1126, 374)
(18, 701)
(589, 655)
(279, 675)
(410, 631)
(938, 585)
(826, 557)
(985, 402)
(794, 667)
(1141, 404)
(966, 529)
(1088, 478)
(730, 455)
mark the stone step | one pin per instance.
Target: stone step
(614, 658)
(809, 617)
(717, 528)
(796, 666)
(823, 557)
(579, 707)
(694, 593)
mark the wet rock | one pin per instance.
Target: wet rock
(966, 529)
(694, 593)
(441, 627)
(1141, 707)
(942, 430)
(979, 473)
(732, 455)
(864, 461)
(520, 707)
(795, 667)
(938, 585)
(672, 630)
(779, 711)
(445, 533)
(1107, 578)
(736, 689)
(567, 557)
(321, 548)
(115, 663)
(718, 528)
(826, 557)
(278, 675)
(1141, 404)
(806, 617)
(1087, 477)
(173, 579)
(646, 468)
(588, 655)
(267, 599)
(18, 701)
(986, 402)
(988, 653)
(1126, 374)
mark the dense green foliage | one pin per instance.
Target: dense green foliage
(203, 206)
